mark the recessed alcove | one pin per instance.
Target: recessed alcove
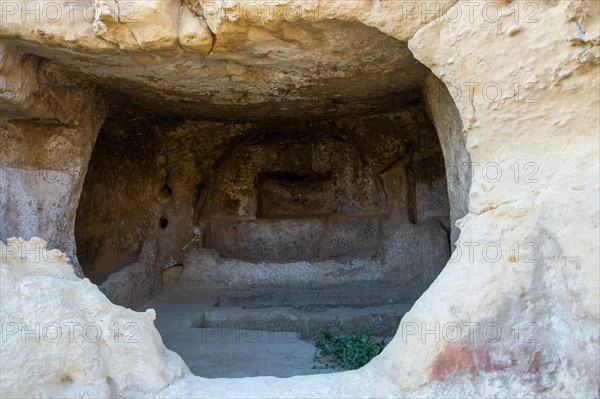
(322, 217)
(327, 207)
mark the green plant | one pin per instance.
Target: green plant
(346, 350)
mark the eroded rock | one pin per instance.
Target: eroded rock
(524, 84)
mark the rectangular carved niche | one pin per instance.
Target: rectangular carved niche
(289, 195)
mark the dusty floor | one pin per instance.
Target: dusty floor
(216, 339)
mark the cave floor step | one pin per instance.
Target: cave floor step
(301, 312)
(238, 335)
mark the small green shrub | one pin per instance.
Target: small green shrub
(346, 350)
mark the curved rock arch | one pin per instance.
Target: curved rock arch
(558, 291)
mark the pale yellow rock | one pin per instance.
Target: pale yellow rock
(194, 34)
(148, 25)
(72, 354)
(524, 96)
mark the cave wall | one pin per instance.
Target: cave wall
(338, 201)
(45, 149)
(364, 188)
(459, 171)
(119, 203)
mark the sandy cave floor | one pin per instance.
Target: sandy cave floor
(218, 340)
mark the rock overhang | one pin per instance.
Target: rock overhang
(562, 285)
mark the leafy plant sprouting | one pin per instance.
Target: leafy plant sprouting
(346, 350)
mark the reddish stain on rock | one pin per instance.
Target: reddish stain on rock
(492, 362)
(453, 359)
(483, 357)
(534, 363)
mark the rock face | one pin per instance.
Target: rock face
(510, 87)
(48, 130)
(73, 352)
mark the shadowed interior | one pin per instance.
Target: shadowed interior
(324, 204)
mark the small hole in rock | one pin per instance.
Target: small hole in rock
(163, 222)
(166, 190)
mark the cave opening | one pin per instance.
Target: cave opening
(332, 206)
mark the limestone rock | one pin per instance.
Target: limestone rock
(148, 25)
(74, 342)
(194, 34)
(514, 313)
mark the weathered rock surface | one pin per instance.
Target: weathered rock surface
(68, 338)
(524, 82)
(45, 150)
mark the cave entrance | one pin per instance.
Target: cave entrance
(252, 230)
(286, 228)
